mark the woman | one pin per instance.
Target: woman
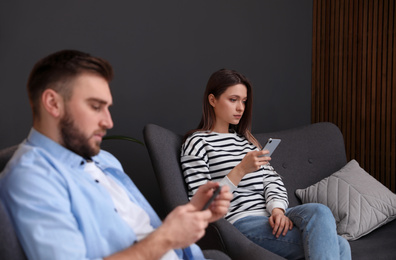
(222, 149)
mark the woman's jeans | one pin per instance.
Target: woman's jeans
(313, 236)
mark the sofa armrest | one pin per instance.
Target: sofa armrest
(223, 236)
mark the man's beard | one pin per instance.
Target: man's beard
(74, 140)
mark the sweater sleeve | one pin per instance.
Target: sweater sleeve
(195, 165)
(274, 190)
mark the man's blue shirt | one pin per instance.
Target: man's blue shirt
(59, 211)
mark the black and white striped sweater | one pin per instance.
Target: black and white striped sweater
(211, 156)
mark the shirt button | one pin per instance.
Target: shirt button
(97, 181)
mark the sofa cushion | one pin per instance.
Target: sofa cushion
(357, 200)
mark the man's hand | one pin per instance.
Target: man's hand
(279, 222)
(185, 225)
(219, 207)
(181, 228)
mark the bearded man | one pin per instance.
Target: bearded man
(67, 198)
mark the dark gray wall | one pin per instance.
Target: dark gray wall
(163, 53)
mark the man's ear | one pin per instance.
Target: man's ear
(212, 100)
(52, 102)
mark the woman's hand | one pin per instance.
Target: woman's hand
(251, 162)
(279, 222)
(254, 160)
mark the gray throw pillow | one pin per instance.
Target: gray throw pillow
(357, 200)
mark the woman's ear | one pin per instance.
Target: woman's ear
(212, 100)
(52, 102)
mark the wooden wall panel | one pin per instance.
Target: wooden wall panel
(354, 79)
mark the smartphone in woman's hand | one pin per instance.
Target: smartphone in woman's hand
(271, 145)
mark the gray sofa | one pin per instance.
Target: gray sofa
(9, 244)
(305, 156)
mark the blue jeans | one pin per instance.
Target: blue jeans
(313, 236)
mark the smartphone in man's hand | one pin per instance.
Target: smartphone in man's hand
(214, 195)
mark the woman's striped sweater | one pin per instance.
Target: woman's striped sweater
(210, 156)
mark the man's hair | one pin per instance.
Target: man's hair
(58, 70)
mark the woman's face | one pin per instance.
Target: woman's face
(229, 107)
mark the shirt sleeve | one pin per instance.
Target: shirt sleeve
(40, 205)
(274, 190)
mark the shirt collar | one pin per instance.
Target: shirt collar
(55, 149)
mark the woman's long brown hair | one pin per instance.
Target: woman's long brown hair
(217, 84)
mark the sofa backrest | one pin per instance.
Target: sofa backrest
(164, 147)
(5, 155)
(306, 155)
(10, 247)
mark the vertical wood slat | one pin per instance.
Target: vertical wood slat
(354, 79)
(393, 84)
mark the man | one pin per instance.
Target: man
(69, 199)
